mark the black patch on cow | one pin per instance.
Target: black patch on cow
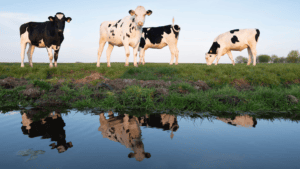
(116, 25)
(234, 39)
(257, 35)
(109, 25)
(133, 19)
(127, 35)
(46, 31)
(155, 33)
(123, 37)
(121, 24)
(155, 120)
(112, 32)
(142, 43)
(56, 54)
(235, 30)
(129, 29)
(133, 27)
(214, 47)
(130, 25)
(119, 21)
(177, 28)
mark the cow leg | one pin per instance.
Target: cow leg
(55, 57)
(230, 56)
(23, 48)
(49, 50)
(102, 42)
(135, 51)
(173, 52)
(253, 51)
(250, 55)
(127, 52)
(29, 54)
(218, 58)
(108, 52)
(142, 55)
(177, 55)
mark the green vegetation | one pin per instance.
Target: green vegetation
(269, 81)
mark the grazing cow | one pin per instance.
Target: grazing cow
(236, 40)
(125, 130)
(48, 127)
(47, 35)
(159, 37)
(124, 32)
(244, 121)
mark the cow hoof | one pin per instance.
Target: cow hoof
(176, 63)
(98, 65)
(136, 66)
(126, 65)
(22, 65)
(108, 65)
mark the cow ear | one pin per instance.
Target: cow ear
(130, 155)
(68, 19)
(147, 155)
(131, 12)
(149, 12)
(51, 18)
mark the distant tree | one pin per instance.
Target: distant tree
(264, 58)
(239, 59)
(273, 57)
(276, 60)
(293, 56)
(282, 60)
(245, 60)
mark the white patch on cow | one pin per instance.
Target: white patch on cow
(54, 47)
(59, 16)
(41, 44)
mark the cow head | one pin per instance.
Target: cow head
(139, 152)
(210, 58)
(59, 21)
(139, 14)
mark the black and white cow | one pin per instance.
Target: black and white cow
(159, 37)
(47, 35)
(124, 32)
(236, 40)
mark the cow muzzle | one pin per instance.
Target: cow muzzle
(140, 24)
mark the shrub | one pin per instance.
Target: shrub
(293, 57)
(264, 58)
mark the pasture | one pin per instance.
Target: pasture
(157, 86)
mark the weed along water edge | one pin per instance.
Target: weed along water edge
(154, 87)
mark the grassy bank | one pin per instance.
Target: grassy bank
(265, 87)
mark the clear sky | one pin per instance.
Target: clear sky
(201, 21)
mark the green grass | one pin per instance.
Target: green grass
(271, 97)
(268, 74)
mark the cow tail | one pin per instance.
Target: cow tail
(176, 28)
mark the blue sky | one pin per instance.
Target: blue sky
(200, 21)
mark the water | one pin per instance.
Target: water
(107, 140)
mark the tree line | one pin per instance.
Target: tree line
(292, 57)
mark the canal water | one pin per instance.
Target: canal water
(40, 140)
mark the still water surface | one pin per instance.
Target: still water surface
(109, 140)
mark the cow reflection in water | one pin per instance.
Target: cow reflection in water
(244, 121)
(48, 127)
(126, 130)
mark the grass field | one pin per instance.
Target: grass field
(271, 83)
